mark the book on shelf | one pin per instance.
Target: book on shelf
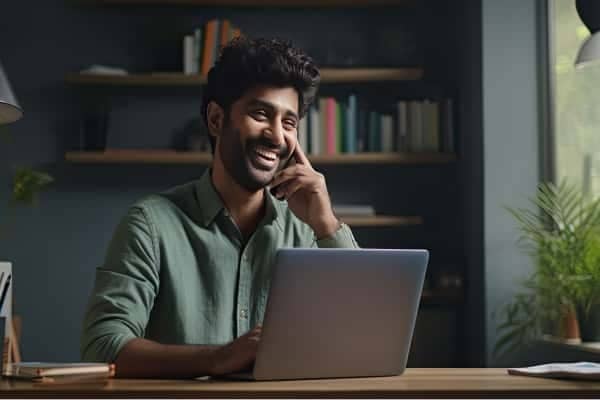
(347, 126)
(189, 64)
(46, 371)
(201, 48)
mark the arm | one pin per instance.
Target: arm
(148, 359)
(120, 305)
(306, 193)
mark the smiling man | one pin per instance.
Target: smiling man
(183, 288)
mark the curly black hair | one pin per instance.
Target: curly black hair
(245, 63)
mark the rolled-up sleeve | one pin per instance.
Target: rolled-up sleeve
(124, 290)
(342, 238)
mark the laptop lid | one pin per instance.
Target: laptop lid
(340, 313)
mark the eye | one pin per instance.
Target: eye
(259, 115)
(290, 123)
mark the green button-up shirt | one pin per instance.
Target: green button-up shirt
(178, 271)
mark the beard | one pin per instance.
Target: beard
(240, 159)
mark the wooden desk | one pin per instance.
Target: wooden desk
(437, 383)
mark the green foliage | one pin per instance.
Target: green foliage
(27, 184)
(563, 238)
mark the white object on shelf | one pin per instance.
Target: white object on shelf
(189, 54)
(97, 69)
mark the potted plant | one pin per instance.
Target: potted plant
(562, 235)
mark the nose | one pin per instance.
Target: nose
(275, 132)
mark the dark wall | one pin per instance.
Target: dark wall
(56, 246)
(471, 169)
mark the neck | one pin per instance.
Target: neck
(246, 208)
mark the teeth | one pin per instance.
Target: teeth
(268, 154)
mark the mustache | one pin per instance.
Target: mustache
(282, 151)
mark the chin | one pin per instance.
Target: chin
(254, 179)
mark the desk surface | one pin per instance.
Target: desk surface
(413, 383)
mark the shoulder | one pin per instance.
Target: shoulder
(177, 198)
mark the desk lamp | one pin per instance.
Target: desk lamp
(589, 12)
(10, 111)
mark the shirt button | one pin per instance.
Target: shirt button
(244, 313)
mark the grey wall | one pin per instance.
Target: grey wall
(56, 246)
(510, 121)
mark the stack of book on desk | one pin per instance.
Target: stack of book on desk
(50, 372)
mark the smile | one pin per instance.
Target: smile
(267, 154)
(264, 158)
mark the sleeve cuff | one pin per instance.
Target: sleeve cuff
(342, 238)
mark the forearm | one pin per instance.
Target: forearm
(143, 358)
(341, 238)
(325, 227)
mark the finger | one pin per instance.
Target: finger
(300, 157)
(249, 333)
(286, 190)
(280, 191)
(293, 188)
(287, 174)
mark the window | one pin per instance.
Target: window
(575, 106)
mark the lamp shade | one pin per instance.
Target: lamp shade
(589, 52)
(10, 111)
(589, 12)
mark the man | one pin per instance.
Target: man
(183, 289)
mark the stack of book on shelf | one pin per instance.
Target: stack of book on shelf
(201, 49)
(60, 372)
(353, 210)
(334, 127)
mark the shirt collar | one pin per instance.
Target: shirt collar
(210, 203)
(275, 210)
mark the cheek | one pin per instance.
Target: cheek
(291, 140)
(250, 126)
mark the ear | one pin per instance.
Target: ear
(215, 116)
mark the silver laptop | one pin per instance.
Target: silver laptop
(339, 313)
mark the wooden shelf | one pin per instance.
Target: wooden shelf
(591, 347)
(133, 156)
(262, 3)
(328, 75)
(380, 220)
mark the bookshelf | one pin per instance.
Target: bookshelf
(328, 75)
(417, 217)
(142, 156)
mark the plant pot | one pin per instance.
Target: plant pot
(569, 326)
(590, 325)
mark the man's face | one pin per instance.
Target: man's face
(259, 135)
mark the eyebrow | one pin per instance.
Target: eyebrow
(266, 104)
